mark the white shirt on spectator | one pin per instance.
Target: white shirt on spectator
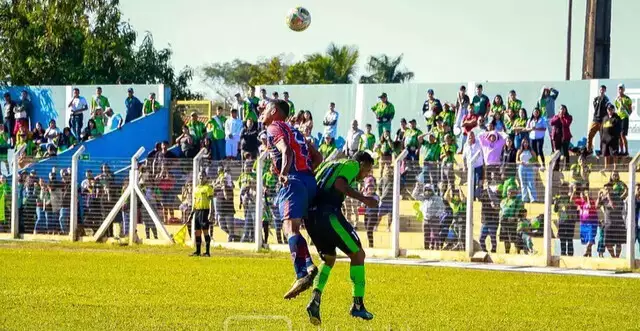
(541, 123)
(51, 133)
(353, 140)
(470, 150)
(113, 122)
(232, 126)
(331, 130)
(77, 104)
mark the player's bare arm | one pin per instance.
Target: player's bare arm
(342, 186)
(316, 157)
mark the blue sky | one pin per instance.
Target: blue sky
(442, 41)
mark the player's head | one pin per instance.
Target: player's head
(366, 163)
(276, 110)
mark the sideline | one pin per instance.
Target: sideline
(501, 267)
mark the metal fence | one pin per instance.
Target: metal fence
(528, 212)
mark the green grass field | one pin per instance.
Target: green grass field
(98, 286)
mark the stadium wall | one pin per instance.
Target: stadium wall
(353, 101)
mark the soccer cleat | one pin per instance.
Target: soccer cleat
(206, 255)
(313, 309)
(195, 254)
(302, 284)
(361, 312)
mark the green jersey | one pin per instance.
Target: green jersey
(215, 127)
(328, 173)
(432, 151)
(448, 117)
(326, 149)
(99, 120)
(519, 123)
(411, 139)
(246, 179)
(196, 130)
(514, 105)
(292, 108)
(367, 141)
(150, 106)
(101, 101)
(508, 124)
(623, 106)
(448, 153)
(249, 110)
(510, 207)
(499, 109)
(384, 111)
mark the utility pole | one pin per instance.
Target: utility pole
(597, 40)
(567, 74)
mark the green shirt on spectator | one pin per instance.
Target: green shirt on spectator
(384, 111)
(448, 117)
(292, 108)
(508, 124)
(432, 151)
(197, 130)
(411, 138)
(448, 153)
(367, 141)
(514, 105)
(510, 207)
(101, 101)
(326, 149)
(623, 106)
(149, 107)
(215, 129)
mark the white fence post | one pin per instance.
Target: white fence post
(260, 196)
(548, 202)
(15, 213)
(631, 214)
(468, 239)
(73, 209)
(133, 198)
(194, 184)
(395, 233)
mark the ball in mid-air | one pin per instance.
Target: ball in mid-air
(298, 19)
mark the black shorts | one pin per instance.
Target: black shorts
(201, 219)
(624, 127)
(329, 229)
(609, 148)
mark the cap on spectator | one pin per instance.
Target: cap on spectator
(620, 85)
(383, 95)
(130, 90)
(430, 91)
(237, 94)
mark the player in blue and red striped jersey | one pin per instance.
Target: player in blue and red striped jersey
(293, 162)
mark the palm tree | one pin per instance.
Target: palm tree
(337, 66)
(343, 63)
(384, 69)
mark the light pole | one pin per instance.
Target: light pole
(567, 74)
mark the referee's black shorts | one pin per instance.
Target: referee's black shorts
(329, 229)
(201, 219)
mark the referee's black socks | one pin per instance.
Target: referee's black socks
(198, 244)
(207, 242)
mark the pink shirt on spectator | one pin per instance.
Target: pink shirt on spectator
(587, 209)
(492, 151)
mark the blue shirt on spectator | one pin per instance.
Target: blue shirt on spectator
(134, 109)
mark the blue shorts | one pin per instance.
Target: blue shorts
(588, 233)
(294, 199)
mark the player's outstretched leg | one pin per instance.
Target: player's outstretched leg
(358, 279)
(313, 308)
(303, 265)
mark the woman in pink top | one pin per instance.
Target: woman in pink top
(561, 134)
(588, 211)
(492, 144)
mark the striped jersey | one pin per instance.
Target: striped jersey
(327, 174)
(278, 131)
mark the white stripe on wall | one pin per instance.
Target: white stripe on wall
(359, 111)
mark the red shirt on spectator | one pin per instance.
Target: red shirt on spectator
(561, 128)
(469, 122)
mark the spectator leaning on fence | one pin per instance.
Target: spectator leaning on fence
(623, 108)
(114, 121)
(354, 136)
(599, 111)
(150, 105)
(384, 112)
(133, 106)
(99, 100)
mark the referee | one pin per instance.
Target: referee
(202, 205)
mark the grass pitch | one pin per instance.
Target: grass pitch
(97, 287)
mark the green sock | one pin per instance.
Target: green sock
(323, 276)
(357, 278)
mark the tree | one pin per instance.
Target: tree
(384, 69)
(70, 42)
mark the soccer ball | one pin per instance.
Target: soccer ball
(298, 19)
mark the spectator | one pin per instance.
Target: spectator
(292, 107)
(509, 209)
(371, 218)
(43, 204)
(26, 109)
(99, 101)
(9, 113)
(51, 134)
(162, 157)
(411, 143)
(520, 128)
(275, 96)
(513, 103)
(492, 144)
(537, 126)
(448, 160)
(165, 184)
(241, 105)
(114, 121)
(354, 136)
(100, 120)
(331, 122)
(508, 120)
(91, 131)
(580, 172)
(327, 147)
(462, 105)
(5, 144)
(526, 159)
(567, 217)
(385, 147)
(367, 140)
(225, 208)
(561, 134)
(547, 103)
(481, 103)
(508, 159)
(588, 211)
(431, 109)
(599, 112)
(384, 112)
(232, 129)
(471, 149)
(38, 134)
(457, 227)
(431, 158)
(76, 107)
(614, 231)
(215, 129)
(249, 139)
(469, 122)
(185, 141)
(432, 208)
(490, 201)
(400, 132)
(25, 138)
(610, 137)
(247, 182)
(66, 140)
(497, 107)
(197, 129)
(150, 105)
(264, 100)
(307, 122)
(624, 107)
(133, 106)
(448, 116)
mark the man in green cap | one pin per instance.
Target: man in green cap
(384, 112)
